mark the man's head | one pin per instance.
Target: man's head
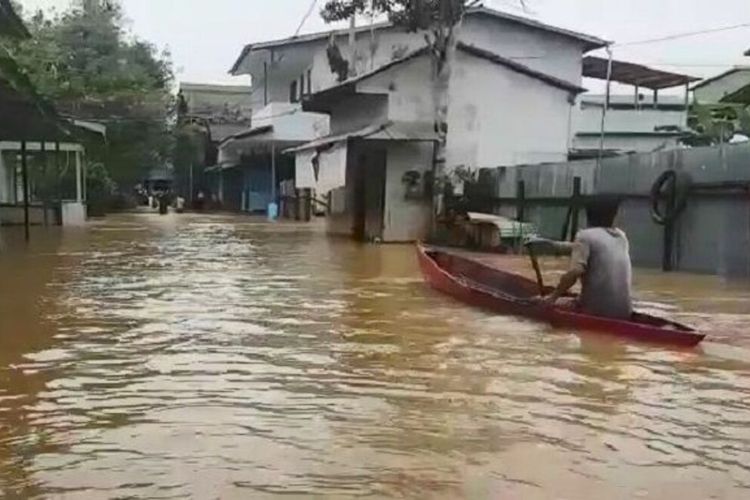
(602, 211)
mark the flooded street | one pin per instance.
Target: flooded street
(224, 357)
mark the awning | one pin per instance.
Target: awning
(246, 134)
(633, 74)
(388, 131)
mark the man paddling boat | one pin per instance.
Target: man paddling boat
(600, 259)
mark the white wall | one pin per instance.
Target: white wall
(283, 65)
(550, 53)
(6, 182)
(588, 118)
(372, 50)
(408, 88)
(290, 123)
(498, 117)
(544, 51)
(714, 91)
(405, 220)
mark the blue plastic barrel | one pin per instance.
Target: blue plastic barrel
(273, 211)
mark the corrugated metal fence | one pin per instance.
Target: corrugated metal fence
(711, 236)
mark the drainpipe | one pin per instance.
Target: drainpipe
(606, 105)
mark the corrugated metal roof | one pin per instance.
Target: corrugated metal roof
(633, 74)
(388, 131)
(590, 42)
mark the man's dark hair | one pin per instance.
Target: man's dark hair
(602, 211)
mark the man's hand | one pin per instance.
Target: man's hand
(544, 300)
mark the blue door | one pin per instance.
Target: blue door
(259, 189)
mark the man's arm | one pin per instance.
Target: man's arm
(558, 247)
(567, 282)
(579, 257)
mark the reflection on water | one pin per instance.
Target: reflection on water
(222, 357)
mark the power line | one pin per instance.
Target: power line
(683, 35)
(306, 16)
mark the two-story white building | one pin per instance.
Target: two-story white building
(511, 95)
(509, 131)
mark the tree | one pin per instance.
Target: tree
(90, 68)
(440, 21)
(717, 123)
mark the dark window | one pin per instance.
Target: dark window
(301, 86)
(309, 81)
(293, 96)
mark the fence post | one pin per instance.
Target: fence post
(521, 201)
(576, 207)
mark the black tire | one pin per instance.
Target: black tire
(670, 184)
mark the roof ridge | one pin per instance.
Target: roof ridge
(593, 42)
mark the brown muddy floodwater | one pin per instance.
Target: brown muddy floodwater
(223, 357)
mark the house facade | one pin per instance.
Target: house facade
(511, 95)
(632, 125)
(722, 87)
(286, 72)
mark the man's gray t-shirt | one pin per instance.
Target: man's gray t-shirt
(604, 255)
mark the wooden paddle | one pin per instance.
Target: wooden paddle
(537, 269)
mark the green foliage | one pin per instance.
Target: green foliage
(84, 61)
(412, 14)
(717, 124)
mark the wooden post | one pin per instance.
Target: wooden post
(669, 233)
(58, 181)
(79, 178)
(43, 154)
(607, 97)
(521, 201)
(576, 208)
(25, 175)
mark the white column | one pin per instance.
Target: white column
(79, 180)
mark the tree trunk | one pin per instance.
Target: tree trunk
(442, 64)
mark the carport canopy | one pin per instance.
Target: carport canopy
(633, 74)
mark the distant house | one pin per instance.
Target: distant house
(42, 162)
(218, 111)
(287, 72)
(509, 106)
(225, 109)
(647, 120)
(723, 87)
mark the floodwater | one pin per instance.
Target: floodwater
(224, 357)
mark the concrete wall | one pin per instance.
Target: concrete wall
(544, 51)
(713, 233)
(406, 220)
(290, 123)
(588, 118)
(501, 117)
(408, 90)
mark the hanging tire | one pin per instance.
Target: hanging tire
(670, 185)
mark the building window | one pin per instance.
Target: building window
(301, 86)
(293, 95)
(309, 81)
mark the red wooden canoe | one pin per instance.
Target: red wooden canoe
(508, 293)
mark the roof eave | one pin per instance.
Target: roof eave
(234, 71)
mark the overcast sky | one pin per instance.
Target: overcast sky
(205, 37)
